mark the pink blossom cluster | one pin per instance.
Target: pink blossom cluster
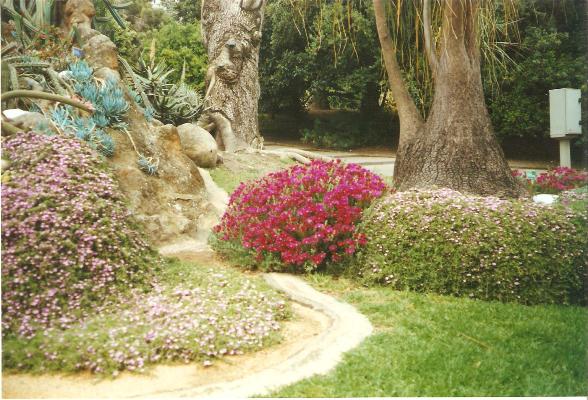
(303, 215)
(67, 241)
(555, 180)
(489, 248)
(560, 179)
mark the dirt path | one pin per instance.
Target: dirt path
(381, 160)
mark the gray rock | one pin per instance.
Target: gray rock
(27, 120)
(199, 145)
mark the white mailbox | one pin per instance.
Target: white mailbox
(565, 113)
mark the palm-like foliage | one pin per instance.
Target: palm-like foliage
(497, 33)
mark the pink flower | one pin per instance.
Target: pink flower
(297, 213)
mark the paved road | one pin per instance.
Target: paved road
(382, 161)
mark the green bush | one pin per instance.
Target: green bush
(347, 130)
(482, 247)
(178, 45)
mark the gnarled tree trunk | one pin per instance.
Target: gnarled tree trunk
(455, 147)
(231, 30)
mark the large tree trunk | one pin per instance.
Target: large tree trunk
(231, 30)
(455, 147)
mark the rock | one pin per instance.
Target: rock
(27, 120)
(100, 52)
(14, 113)
(79, 14)
(106, 74)
(199, 145)
(169, 205)
(545, 198)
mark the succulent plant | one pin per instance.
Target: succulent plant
(107, 98)
(80, 71)
(174, 103)
(147, 165)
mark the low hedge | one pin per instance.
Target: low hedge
(483, 247)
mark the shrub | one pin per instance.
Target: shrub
(575, 200)
(560, 179)
(482, 247)
(67, 240)
(554, 181)
(347, 130)
(298, 218)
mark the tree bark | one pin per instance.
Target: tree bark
(411, 121)
(231, 31)
(455, 147)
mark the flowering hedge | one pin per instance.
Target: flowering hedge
(67, 241)
(481, 247)
(299, 218)
(555, 180)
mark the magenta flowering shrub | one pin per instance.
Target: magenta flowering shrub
(561, 178)
(299, 218)
(555, 180)
(67, 240)
(481, 247)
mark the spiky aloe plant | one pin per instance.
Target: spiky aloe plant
(174, 103)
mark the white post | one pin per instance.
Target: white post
(565, 158)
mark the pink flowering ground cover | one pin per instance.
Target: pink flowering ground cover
(82, 291)
(298, 219)
(193, 313)
(480, 247)
(67, 240)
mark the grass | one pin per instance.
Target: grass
(431, 345)
(229, 180)
(193, 313)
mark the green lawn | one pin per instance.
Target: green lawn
(430, 345)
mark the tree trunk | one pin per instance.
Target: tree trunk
(456, 147)
(231, 31)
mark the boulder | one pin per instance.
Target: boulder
(28, 120)
(78, 14)
(199, 145)
(99, 51)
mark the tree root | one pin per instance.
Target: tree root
(302, 156)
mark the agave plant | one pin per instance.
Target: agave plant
(174, 103)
